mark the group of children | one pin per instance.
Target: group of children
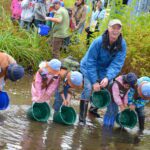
(28, 12)
(51, 78)
(128, 91)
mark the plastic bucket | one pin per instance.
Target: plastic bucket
(43, 30)
(127, 118)
(66, 115)
(4, 100)
(101, 99)
(39, 112)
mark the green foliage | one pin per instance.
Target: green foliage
(136, 31)
(29, 48)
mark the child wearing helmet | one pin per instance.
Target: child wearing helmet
(138, 97)
(9, 69)
(70, 81)
(46, 81)
(119, 94)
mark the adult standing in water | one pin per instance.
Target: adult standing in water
(102, 63)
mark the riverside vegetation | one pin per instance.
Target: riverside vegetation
(28, 48)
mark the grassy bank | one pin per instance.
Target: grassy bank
(29, 48)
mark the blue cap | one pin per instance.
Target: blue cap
(56, 1)
(55, 64)
(145, 89)
(15, 72)
(130, 79)
(76, 78)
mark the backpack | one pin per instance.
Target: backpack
(70, 64)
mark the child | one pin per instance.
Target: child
(46, 81)
(70, 80)
(97, 16)
(16, 10)
(138, 97)
(9, 69)
(119, 94)
(27, 13)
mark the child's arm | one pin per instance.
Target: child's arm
(37, 85)
(131, 99)
(52, 86)
(116, 94)
(66, 101)
(125, 99)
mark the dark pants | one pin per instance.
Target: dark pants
(141, 117)
(140, 111)
(57, 43)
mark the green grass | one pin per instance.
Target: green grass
(28, 48)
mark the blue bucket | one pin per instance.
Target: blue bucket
(43, 30)
(4, 100)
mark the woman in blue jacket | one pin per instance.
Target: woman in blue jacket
(102, 63)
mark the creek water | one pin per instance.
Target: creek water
(17, 132)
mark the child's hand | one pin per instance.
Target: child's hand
(122, 108)
(125, 105)
(132, 107)
(66, 102)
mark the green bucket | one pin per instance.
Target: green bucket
(66, 115)
(39, 112)
(127, 118)
(101, 99)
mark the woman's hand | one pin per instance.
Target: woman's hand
(96, 87)
(104, 82)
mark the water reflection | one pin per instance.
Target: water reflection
(17, 132)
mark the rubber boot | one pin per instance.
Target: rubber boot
(141, 123)
(83, 111)
(93, 111)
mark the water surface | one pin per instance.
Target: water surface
(17, 132)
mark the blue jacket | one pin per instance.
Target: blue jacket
(140, 102)
(99, 63)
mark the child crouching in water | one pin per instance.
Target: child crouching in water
(70, 81)
(46, 81)
(119, 97)
(138, 97)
